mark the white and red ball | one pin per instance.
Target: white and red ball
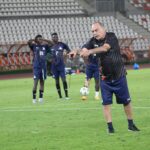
(84, 91)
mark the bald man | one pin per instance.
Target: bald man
(113, 74)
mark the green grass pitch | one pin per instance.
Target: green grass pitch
(71, 124)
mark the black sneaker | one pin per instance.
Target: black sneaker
(111, 130)
(133, 128)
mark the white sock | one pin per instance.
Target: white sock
(96, 93)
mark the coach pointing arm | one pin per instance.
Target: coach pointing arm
(85, 52)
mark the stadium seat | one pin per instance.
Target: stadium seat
(143, 20)
(74, 30)
(40, 7)
(144, 4)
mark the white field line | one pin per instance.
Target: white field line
(15, 109)
(55, 105)
(47, 110)
(62, 103)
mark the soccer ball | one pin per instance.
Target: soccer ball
(84, 91)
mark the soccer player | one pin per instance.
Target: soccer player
(40, 48)
(113, 74)
(59, 50)
(92, 71)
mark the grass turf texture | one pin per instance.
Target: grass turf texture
(71, 124)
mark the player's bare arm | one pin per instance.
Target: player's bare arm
(22, 42)
(31, 41)
(48, 41)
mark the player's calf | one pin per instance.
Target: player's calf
(34, 97)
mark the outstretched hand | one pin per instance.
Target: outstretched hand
(72, 54)
(84, 53)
